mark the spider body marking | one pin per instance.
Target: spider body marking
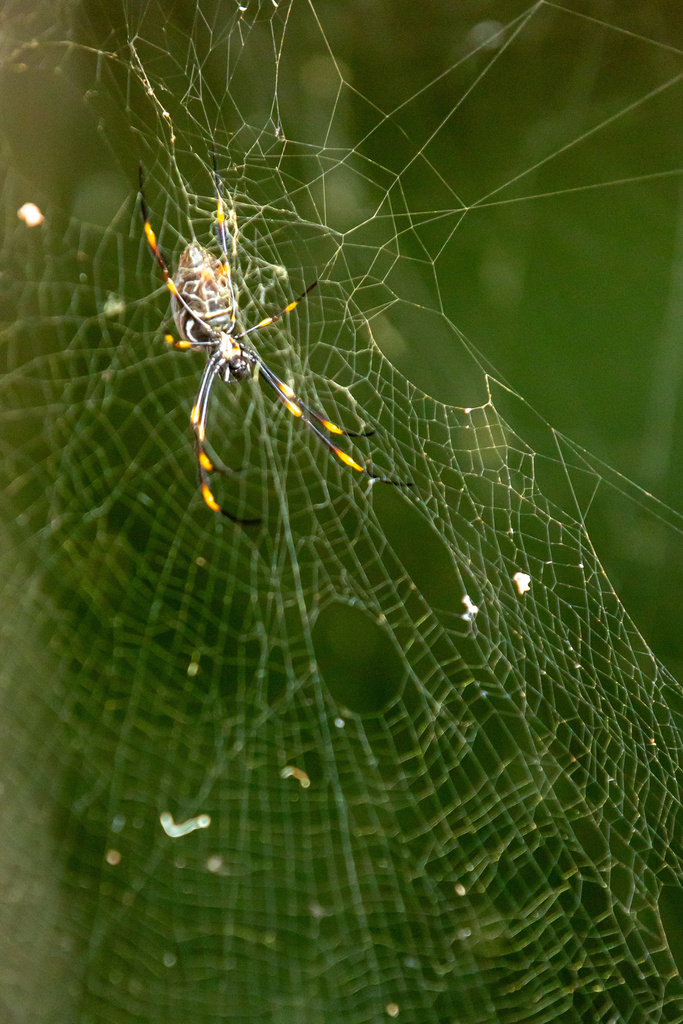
(201, 280)
(205, 313)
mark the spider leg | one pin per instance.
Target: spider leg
(181, 343)
(289, 398)
(222, 234)
(156, 252)
(286, 395)
(298, 409)
(176, 342)
(214, 365)
(278, 316)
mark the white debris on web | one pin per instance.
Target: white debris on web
(175, 831)
(114, 306)
(522, 581)
(471, 609)
(291, 772)
(31, 215)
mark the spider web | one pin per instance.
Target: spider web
(393, 753)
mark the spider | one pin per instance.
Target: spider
(205, 313)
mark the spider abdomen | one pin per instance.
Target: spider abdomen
(203, 283)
